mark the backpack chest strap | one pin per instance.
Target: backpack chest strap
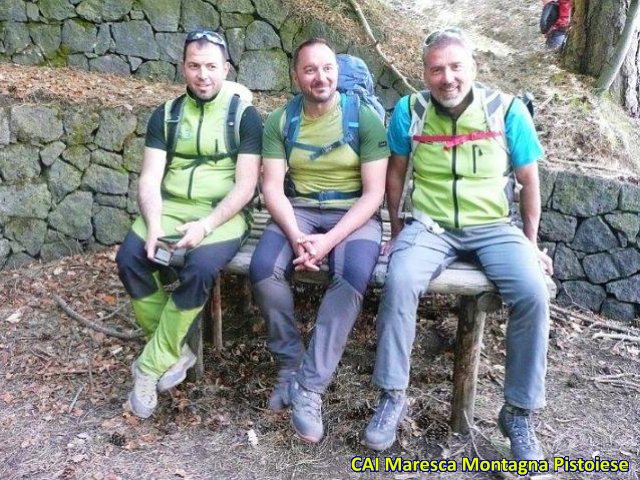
(350, 106)
(451, 141)
(319, 151)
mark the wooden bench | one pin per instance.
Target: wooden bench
(477, 297)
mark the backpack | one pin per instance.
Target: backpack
(354, 76)
(242, 97)
(549, 16)
(355, 84)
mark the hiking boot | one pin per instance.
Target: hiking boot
(380, 434)
(280, 399)
(306, 417)
(143, 399)
(178, 372)
(517, 424)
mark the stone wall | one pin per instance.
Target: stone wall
(590, 226)
(68, 173)
(145, 38)
(68, 179)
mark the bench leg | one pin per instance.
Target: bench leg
(465, 369)
(216, 315)
(196, 373)
(246, 295)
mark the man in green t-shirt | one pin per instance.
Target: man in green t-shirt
(327, 210)
(194, 187)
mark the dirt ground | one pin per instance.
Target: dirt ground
(62, 386)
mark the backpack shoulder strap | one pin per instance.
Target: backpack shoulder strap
(291, 126)
(418, 105)
(232, 132)
(172, 115)
(496, 106)
(350, 104)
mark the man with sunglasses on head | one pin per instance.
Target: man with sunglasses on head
(323, 195)
(464, 146)
(199, 173)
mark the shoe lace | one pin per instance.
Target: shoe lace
(523, 431)
(385, 416)
(145, 387)
(310, 403)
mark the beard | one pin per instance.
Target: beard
(451, 100)
(325, 95)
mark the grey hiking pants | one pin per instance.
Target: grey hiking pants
(351, 263)
(509, 260)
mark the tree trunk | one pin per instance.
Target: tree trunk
(596, 29)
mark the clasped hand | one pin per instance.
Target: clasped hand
(311, 251)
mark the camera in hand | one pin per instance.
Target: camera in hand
(166, 254)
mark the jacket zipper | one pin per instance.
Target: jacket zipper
(456, 213)
(193, 169)
(476, 152)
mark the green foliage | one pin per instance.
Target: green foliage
(59, 59)
(581, 102)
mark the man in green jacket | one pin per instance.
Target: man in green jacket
(464, 146)
(199, 172)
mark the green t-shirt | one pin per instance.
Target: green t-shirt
(338, 170)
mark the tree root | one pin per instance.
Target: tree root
(130, 335)
(389, 63)
(563, 314)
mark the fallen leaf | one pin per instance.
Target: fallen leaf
(109, 299)
(7, 397)
(15, 317)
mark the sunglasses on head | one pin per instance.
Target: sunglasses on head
(208, 35)
(436, 34)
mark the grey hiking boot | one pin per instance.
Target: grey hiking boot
(143, 399)
(517, 424)
(380, 434)
(306, 416)
(280, 399)
(178, 372)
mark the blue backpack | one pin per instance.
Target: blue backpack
(355, 84)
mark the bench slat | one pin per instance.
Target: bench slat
(461, 278)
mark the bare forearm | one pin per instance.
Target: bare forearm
(150, 203)
(394, 194)
(373, 174)
(149, 186)
(230, 205)
(281, 212)
(247, 172)
(394, 186)
(530, 209)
